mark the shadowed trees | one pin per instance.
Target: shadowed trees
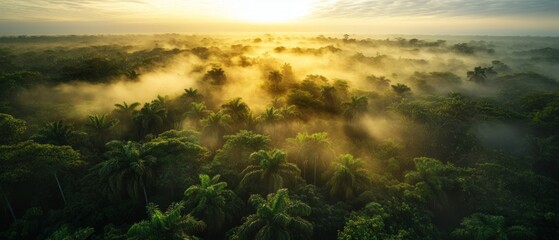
(215, 126)
(312, 153)
(215, 76)
(480, 74)
(277, 217)
(171, 224)
(100, 128)
(239, 112)
(126, 170)
(269, 172)
(151, 118)
(356, 108)
(233, 157)
(28, 160)
(348, 178)
(211, 202)
(125, 114)
(401, 89)
(11, 129)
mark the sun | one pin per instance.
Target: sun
(270, 11)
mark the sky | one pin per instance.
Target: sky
(435, 17)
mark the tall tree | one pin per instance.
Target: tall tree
(125, 113)
(99, 126)
(215, 126)
(211, 202)
(356, 107)
(348, 177)
(56, 133)
(277, 217)
(151, 118)
(238, 110)
(269, 172)
(126, 169)
(171, 224)
(311, 149)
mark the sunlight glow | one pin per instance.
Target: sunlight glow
(270, 11)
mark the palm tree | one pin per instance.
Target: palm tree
(348, 177)
(269, 171)
(125, 109)
(215, 125)
(275, 78)
(211, 202)
(56, 133)
(331, 101)
(99, 126)
(237, 109)
(191, 95)
(151, 118)
(311, 149)
(354, 109)
(170, 225)
(216, 76)
(477, 75)
(401, 89)
(126, 169)
(197, 112)
(277, 217)
(125, 114)
(271, 116)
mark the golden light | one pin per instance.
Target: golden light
(270, 11)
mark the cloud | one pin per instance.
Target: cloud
(427, 8)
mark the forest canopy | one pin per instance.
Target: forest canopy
(279, 137)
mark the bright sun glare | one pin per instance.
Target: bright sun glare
(270, 11)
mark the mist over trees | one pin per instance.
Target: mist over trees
(279, 137)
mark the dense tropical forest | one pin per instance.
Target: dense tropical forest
(279, 137)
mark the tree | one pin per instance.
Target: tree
(191, 95)
(477, 75)
(348, 178)
(27, 159)
(125, 114)
(11, 129)
(480, 226)
(311, 149)
(211, 202)
(271, 116)
(171, 225)
(237, 109)
(277, 217)
(216, 76)
(233, 157)
(56, 133)
(151, 118)
(126, 169)
(275, 78)
(215, 126)
(197, 112)
(401, 89)
(357, 107)
(269, 171)
(99, 126)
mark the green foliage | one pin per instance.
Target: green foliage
(269, 172)
(126, 169)
(348, 177)
(212, 203)
(277, 217)
(11, 129)
(171, 224)
(65, 233)
(311, 150)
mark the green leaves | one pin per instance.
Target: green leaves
(277, 217)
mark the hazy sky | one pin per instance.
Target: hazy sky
(462, 17)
